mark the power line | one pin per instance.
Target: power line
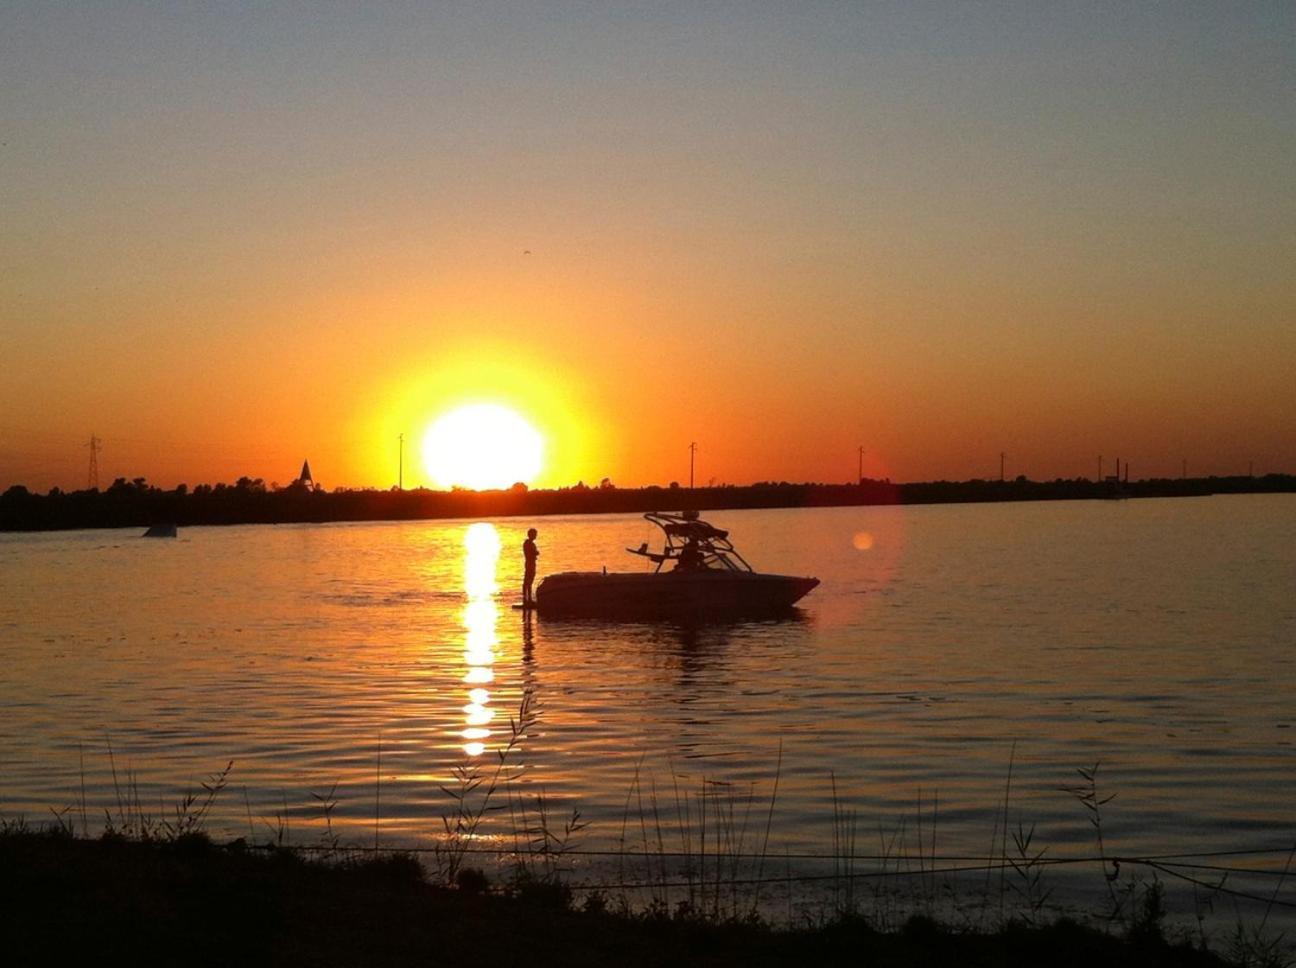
(926, 866)
(897, 858)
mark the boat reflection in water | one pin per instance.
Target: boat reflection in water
(707, 578)
(480, 617)
(685, 652)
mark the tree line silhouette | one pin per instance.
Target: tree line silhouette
(136, 503)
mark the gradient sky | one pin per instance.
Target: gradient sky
(234, 235)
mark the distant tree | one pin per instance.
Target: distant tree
(674, 485)
(182, 489)
(606, 485)
(519, 488)
(17, 493)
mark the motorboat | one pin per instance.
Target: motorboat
(706, 577)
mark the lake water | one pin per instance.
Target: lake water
(945, 643)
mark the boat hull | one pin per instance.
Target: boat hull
(669, 594)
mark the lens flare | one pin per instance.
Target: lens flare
(863, 541)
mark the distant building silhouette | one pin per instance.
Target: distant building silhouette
(305, 479)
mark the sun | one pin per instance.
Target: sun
(482, 446)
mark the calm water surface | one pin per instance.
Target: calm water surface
(1154, 636)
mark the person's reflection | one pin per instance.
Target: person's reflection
(528, 643)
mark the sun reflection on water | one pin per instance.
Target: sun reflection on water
(480, 617)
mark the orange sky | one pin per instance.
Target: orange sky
(235, 241)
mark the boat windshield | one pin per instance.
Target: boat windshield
(691, 544)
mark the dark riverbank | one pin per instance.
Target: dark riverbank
(138, 504)
(190, 902)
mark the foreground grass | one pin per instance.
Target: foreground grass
(188, 901)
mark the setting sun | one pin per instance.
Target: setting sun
(482, 446)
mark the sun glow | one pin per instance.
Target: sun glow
(482, 446)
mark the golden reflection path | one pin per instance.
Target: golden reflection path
(480, 617)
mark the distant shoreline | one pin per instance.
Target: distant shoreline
(138, 504)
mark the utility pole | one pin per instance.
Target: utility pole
(692, 452)
(92, 479)
(860, 478)
(400, 473)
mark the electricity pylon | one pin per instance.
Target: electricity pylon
(92, 479)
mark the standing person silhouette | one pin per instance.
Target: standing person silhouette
(529, 553)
